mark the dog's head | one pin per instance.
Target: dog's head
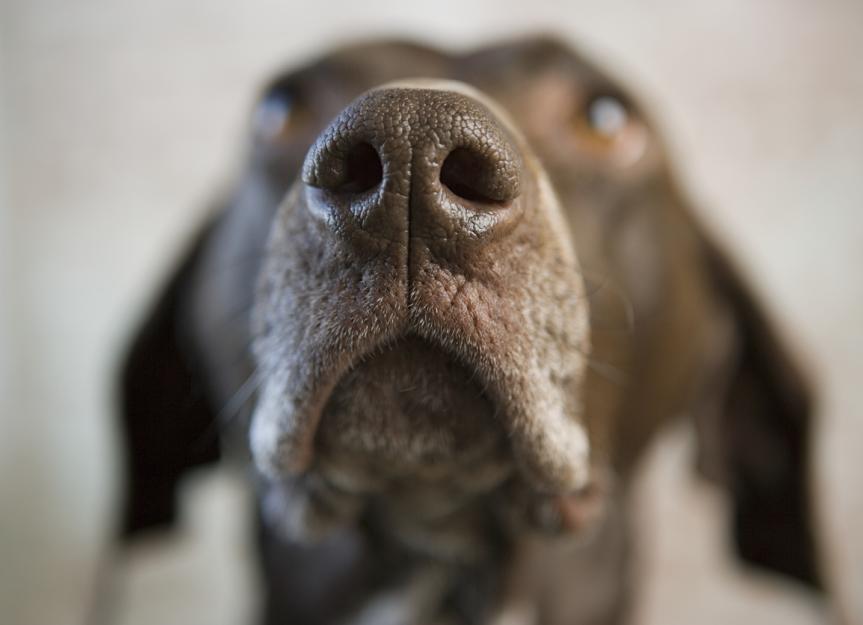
(422, 320)
(402, 273)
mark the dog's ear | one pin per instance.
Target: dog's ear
(167, 425)
(761, 439)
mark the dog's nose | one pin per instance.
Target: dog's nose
(410, 162)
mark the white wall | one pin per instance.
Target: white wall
(122, 118)
(8, 426)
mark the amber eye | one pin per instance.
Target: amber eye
(275, 116)
(606, 127)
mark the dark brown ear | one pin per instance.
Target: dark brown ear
(167, 425)
(763, 439)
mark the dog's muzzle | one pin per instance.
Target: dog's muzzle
(422, 219)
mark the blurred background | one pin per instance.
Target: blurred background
(120, 119)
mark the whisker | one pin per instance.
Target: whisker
(219, 269)
(604, 283)
(231, 410)
(240, 397)
(232, 317)
(609, 371)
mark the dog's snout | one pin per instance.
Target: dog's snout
(423, 221)
(430, 163)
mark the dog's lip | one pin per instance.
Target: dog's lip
(295, 460)
(435, 405)
(406, 335)
(553, 457)
(538, 411)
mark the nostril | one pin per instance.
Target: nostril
(470, 176)
(363, 169)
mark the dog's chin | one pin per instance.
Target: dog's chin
(409, 431)
(410, 415)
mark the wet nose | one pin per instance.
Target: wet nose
(416, 162)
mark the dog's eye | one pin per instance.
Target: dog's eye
(607, 127)
(607, 116)
(275, 116)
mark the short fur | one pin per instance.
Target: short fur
(448, 369)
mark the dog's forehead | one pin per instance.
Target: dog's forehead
(514, 63)
(503, 69)
(345, 72)
(379, 61)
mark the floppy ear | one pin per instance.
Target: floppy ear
(167, 425)
(762, 438)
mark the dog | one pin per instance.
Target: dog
(443, 311)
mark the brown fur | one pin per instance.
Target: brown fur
(452, 374)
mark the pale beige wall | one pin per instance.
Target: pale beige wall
(122, 118)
